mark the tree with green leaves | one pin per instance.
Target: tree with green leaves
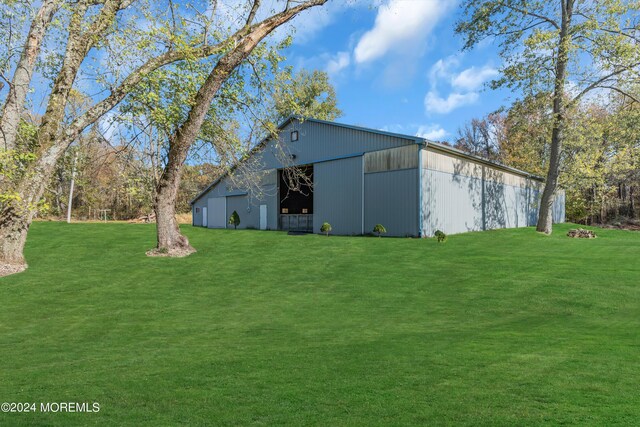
(234, 220)
(379, 229)
(139, 37)
(325, 228)
(601, 150)
(568, 48)
(170, 240)
(305, 94)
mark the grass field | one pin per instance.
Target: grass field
(499, 328)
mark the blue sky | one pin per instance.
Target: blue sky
(398, 66)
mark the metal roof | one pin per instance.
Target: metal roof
(415, 139)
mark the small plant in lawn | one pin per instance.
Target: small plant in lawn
(326, 228)
(235, 220)
(441, 236)
(379, 229)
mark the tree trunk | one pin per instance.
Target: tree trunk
(545, 215)
(73, 181)
(16, 217)
(13, 237)
(170, 241)
(14, 104)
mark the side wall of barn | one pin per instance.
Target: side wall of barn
(460, 195)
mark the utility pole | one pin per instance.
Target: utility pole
(73, 181)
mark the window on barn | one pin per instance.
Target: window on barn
(294, 136)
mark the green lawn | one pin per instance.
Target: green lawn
(498, 328)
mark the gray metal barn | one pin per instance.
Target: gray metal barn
(362, 177)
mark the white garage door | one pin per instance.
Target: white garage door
(217, 212)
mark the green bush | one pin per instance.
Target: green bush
(326, 228)
(234, 219)
(441, 236)
(379, 229)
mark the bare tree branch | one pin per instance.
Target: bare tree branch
(599, 82)
(533, 14)
(252, 13)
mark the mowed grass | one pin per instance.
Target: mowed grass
(505, 327)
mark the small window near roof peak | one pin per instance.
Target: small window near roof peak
(294, 136)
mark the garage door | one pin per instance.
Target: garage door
(217, 212)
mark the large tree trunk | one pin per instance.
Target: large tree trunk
(545, 215)
(16, 217)
(170, 241)
(14, 104)
(12, 239)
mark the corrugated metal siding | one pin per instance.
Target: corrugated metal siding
(559, 207)
(391, 159)
(391, 199)
(319, 142)
(217, 212)
(451, 165)
(506, 206)
(460, 195)
(450, 203)
(248, 211)
(337, 196)
(459, 166)
(450, 185)
(196, 217)
(266, 196)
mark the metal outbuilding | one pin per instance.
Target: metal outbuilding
(362, 177)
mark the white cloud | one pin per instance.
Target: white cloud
(432, 132)
(436, 104)
(443, 70)
(473, 78)
(463, 85)
(470, 79)
(338, 63)
(400, 23)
